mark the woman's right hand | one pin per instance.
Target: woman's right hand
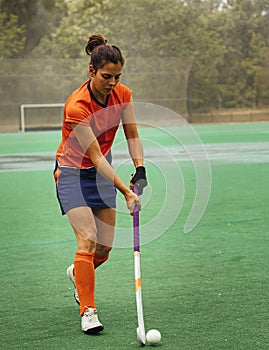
(132, 201)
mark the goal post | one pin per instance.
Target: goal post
(48, 123)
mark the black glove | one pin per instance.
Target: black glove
(139, 179)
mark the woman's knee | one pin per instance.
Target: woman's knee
(83, 224)
(102, 250)
(85, 243)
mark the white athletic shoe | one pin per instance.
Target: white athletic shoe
(70, 274)
(90, 323)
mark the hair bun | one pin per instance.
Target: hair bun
(94, 41)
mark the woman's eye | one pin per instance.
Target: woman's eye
(107, 76)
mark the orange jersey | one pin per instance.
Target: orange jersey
(83, 108)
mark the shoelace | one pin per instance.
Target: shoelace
(91, 313)
(92, 317)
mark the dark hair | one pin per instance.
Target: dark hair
(102, 53)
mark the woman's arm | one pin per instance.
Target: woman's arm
(131, 133)
(135, 147)
(90, 145)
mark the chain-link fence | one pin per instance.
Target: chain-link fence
(161, 81)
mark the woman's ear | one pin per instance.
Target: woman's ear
(91, 71)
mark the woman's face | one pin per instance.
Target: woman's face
(105, 79)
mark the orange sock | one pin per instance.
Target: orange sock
(85, 279)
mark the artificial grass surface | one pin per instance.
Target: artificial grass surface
(203, 290)
(48, 141)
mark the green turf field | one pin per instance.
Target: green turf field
(204, 290)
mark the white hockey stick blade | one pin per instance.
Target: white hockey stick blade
(141, 338)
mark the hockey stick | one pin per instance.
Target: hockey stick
(140, 330)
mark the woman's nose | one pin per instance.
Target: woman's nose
(112, 81)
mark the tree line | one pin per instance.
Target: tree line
(226, 41)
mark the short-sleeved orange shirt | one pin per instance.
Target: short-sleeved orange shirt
(83, 108)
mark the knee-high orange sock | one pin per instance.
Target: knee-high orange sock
(85, 279)
(99, 260)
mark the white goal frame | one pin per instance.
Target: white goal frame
(34, 105)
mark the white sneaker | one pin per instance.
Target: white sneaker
(90, 323)
(70, 274)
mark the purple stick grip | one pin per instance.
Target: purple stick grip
(136, 226)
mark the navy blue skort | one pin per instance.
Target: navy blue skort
(83, 187)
